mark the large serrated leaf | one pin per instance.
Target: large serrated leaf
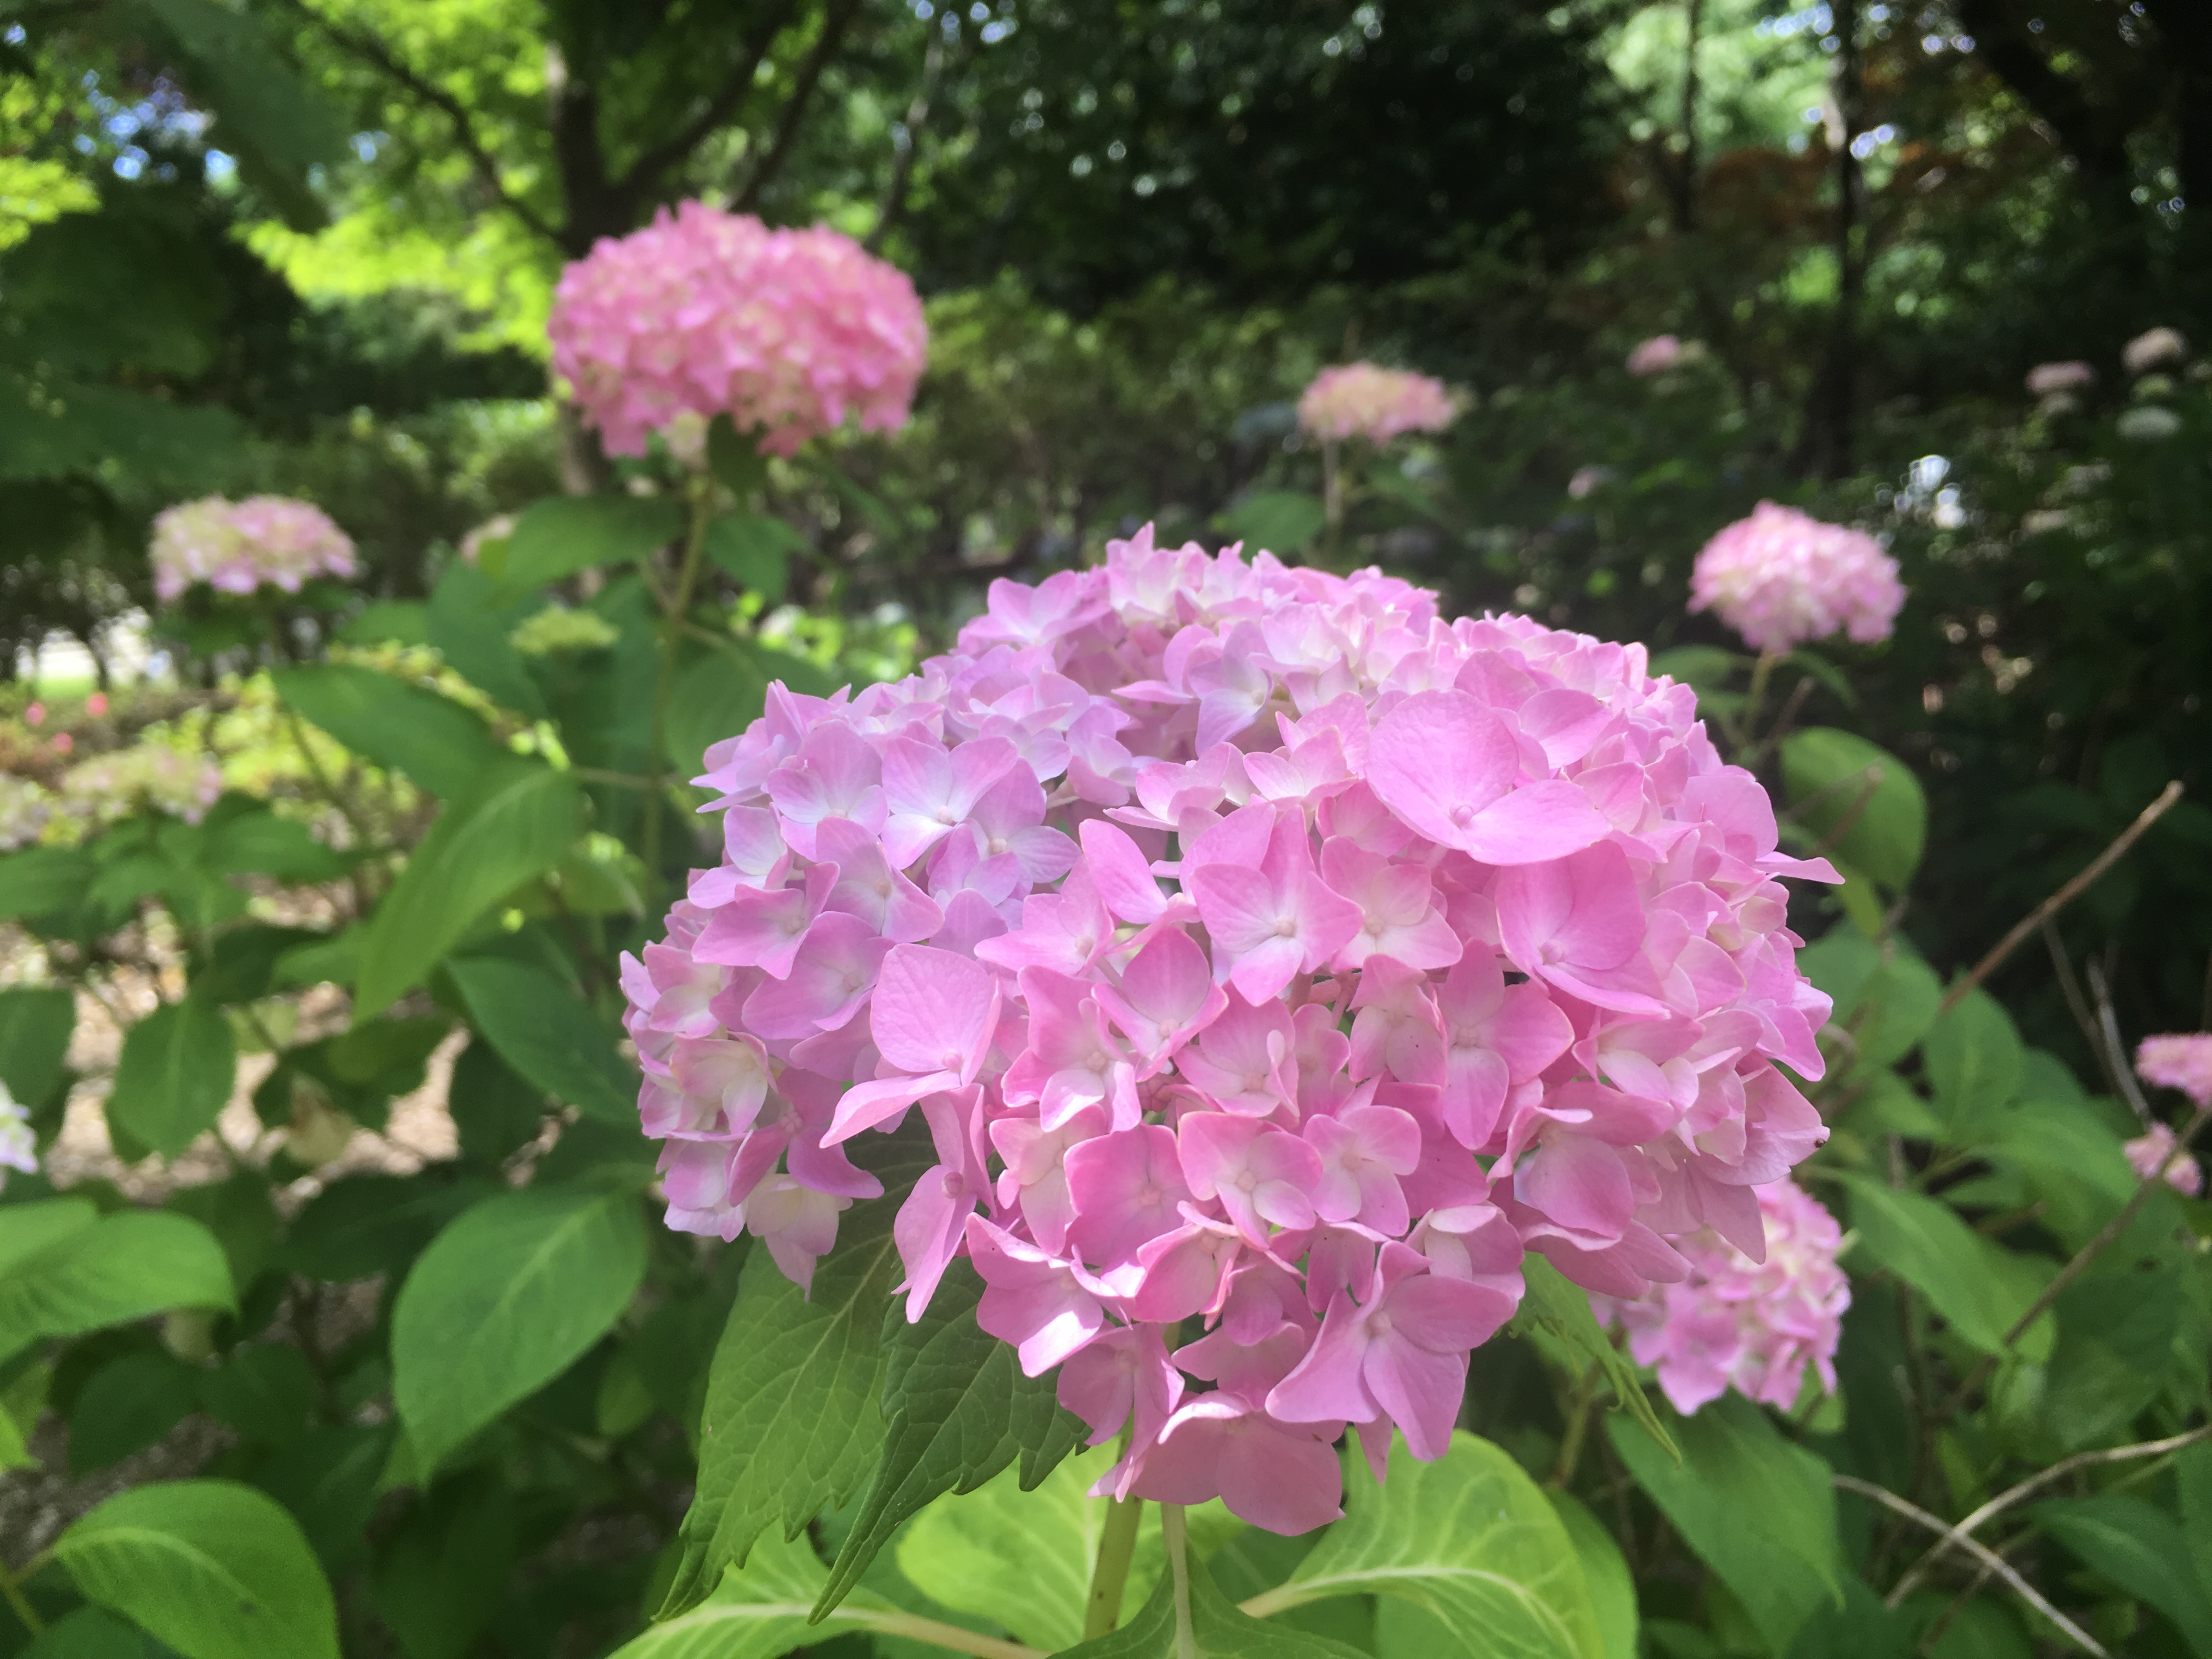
(1470, 1540)
(1553, 1306)
(959, 1411)
(791, 1426)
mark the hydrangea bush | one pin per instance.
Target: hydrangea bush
(1228, 1012)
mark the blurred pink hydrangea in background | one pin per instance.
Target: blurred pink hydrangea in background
(1258, 949)
(25, 809)
(497, 528)
(1735, 1324)
(2179, 1061)
(114, 786)
(1364, 400)
(2150, 1154)
(1656, 355)
(2154, 348)
(235, 547)
(2046, 378)
(1782, 578)
(705, 312)
(19, 1147)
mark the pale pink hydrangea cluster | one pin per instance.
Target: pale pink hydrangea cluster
(25, 811)
(1258, 949)
(112, 787)
(1738, 1322)
(2179, 1061)
(705, 312)
(2150, 1155)
(1783, 579)
(235, 547)
(19, 1146)
(1656, 355)
(1362, 400)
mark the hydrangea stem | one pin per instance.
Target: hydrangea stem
(1177, 1539)
(11, 1587)
(1117, 1547)
(675, 606)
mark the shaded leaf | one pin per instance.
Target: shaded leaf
(2137, 1546)
(1980, 1288)
(518, 826)
(504, 1299)
(123, 1267)
(1558, 1308)
(548, 1034)
(564, 534)
(1826, 774)
(1757, 1510)
(174, 1077)
(436, 742)
(35, 1026)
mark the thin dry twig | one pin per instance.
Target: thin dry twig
(2012, 1495)
(2114, 1050)
(1981, 1551)
(2077, 1005)
(2059, 900)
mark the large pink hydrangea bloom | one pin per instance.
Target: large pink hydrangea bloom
(1361, 400)
(703, 313)
(235, 547)
(1782, 578)
(1740, 1323)
(1256, 947)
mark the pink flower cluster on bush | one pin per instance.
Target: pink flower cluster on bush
(1782, 578)
(1362, 400)
(1257, 947)
(1737, 1322)
(2176, 1062)
(705, 312)
(235, 547)
(2151, 1155)
(112, 787)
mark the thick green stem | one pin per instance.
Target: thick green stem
(1117, 1547)
(1747, 722)
(677, 603)
(1177, 1540)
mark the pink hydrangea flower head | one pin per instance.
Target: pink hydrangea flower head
(235, 547)
(2151, 1155)
(704, 313)
(1736, 1323)
(2045, 379)
(1268, 965)
(2154, 348)
(1783, 579)
(2183, 1062)
(1362, 400)
(1656, 355)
